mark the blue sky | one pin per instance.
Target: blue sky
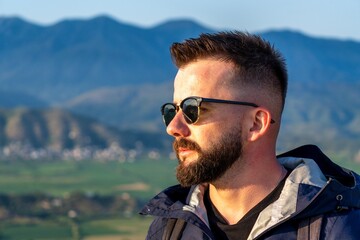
(324, 18)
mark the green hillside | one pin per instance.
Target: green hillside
(106, 197)
(142, 178)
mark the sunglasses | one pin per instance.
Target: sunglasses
(190, 107)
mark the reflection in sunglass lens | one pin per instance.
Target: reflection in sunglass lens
(190, 110)
(169, 112)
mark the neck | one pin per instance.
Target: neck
(244, 186)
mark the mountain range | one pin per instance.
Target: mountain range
(119, 74)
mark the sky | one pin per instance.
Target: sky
(320, 18)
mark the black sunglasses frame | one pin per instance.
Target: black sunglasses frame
(199, 100)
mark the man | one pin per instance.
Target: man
(229, 94)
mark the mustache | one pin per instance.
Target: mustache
(185, 143)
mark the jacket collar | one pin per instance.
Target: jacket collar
(328, 168)
(343, 183)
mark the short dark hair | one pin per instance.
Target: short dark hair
(257, 61)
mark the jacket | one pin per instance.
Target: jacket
(315, 187)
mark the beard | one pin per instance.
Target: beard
(211, 164)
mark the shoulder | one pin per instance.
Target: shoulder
(342, 225)
(156, 228)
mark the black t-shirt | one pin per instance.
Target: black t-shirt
(242, 229)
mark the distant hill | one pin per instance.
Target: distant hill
(74, 56)
(317, 60)
(128, 107)
(12, 99)
(120, 74)
(59, 129)
(324, 114)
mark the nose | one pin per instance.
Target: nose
(178, 127)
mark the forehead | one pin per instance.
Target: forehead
(204, 78)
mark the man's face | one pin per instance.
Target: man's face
(208, 148)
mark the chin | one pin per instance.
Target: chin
(187, 161)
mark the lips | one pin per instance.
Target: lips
(185, 151)
(182, 149)
(185, 145)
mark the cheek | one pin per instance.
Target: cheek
(205, 136)
(210, 136)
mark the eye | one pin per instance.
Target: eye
(203, 109)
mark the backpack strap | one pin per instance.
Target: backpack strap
(310, 228)
(174, 228)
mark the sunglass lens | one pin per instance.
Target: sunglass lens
(168, 112)
(191, 110)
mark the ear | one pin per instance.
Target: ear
(260, 125)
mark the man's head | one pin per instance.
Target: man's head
(211, 135)
(256, 61)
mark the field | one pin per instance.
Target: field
(140, 179)
(62, 229)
